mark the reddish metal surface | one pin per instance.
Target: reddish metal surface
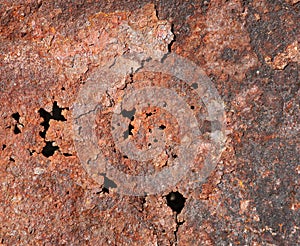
(250, 51)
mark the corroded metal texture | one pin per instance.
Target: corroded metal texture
(51, 50)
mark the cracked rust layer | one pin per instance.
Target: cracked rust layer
(249, 49)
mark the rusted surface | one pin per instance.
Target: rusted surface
(249, 49)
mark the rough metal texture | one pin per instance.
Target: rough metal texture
(249, 49)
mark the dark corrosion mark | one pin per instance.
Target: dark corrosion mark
(108, 183)
(128, 131)
(209, 126)
(195, 85)
(128, 114)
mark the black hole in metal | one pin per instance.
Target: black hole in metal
(105, 190)
(56, 113)
(49, 149)
(17, 130)
(162, 127)
(175, 201)
(16, 116)
(128, 132)
(67, 154)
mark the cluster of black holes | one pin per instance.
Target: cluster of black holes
(3, 146)
(150, 113)
(130, 115)
(56, 114)
(175, 201)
